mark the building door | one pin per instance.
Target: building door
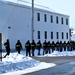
(0, 46)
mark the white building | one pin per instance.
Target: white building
(16, 23)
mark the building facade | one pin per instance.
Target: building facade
(16, 24)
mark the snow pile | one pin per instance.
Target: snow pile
(64, 53)
(15, 62)
(42, 65)
(20, 64)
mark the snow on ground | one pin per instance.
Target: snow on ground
(64, 53)
(41, 65)
(17, 62)
(20, 64)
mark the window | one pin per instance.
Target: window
(45, 34)
(66, 35)
(66, 21)
(45, 17)
(57, 19)
(62, 35)
(51, 19)
(38, 34)
(61, 20)
(38, 16)
(57, 35)
(51, 35)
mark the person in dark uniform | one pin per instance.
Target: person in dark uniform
(38, 46)
(7, 46)
(71, 45)
(53, 46)
(48, 47)
(28, 48)
(57, 45)
(18, 46)
(44, 47)
(60, 46)
(68, 45)
(33, 46)
(64, 46)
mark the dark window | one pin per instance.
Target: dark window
(57, 19)
(62, 35)
(38, 16)
(66, 35)
(51, 35)
(45, 34)
(66, 21)
(61, 20)
(57, 35)
(45, 17)
(51, 19)
(38, 34)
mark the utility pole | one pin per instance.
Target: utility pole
(32, 19)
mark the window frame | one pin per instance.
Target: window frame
(57, 35)
(62, 20)
(45, 17)
(67, 35)
(45, 34)
(51, 34)
(51, 18)
(62, 35)
(66, 21)
(57, 21)
(38, 16)
(38, 34)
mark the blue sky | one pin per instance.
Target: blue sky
(61, 6)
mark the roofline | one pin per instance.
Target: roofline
(35, 8)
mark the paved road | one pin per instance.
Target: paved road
(57, 60)
(64, 69)
(64, 66)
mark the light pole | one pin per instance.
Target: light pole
(32, 19)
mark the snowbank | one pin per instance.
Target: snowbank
(64, 53)
(20, 64)
(15, 62)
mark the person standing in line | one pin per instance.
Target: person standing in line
(38, 46)
(18, 46)
(48, 47)
(57, 45)
(64, 45)
(60, 46)
(68, 45)
(7, 46)
(71, 45)
(33, 46)
(53, 46)
(44, 47)
(28, 48)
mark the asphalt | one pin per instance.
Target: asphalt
(63, 66)
(57, 60)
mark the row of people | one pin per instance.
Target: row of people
(47, 46)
